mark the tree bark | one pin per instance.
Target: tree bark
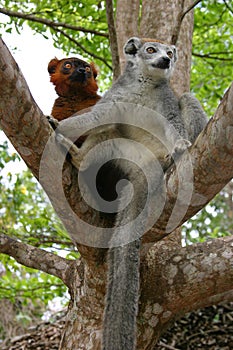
(127, 21)
(36, 258)
(113, 39)
(174, 282)
(180, 280)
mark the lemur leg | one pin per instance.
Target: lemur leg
(71, 149)
(65, 143)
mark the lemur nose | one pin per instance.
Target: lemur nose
(81, 70)
(166, 59)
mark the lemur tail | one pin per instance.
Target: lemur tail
(122, 297)
(121, 305)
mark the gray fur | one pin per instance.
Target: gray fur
(145, 82)
(193, 115)
(140, 84)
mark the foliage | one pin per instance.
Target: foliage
(26, 214)
(25, 211)
(213, 221)
(28, 286)
(212, 52)
(90, 41)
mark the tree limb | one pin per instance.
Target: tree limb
(83, 48)
(50, 23)
(189, 9)
(209, 56)
(56, 26)
(36, 258)
(177, 280)
(20, 117)
(193, 270)
(228, 6)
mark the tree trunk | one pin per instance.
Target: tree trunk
(127, 19)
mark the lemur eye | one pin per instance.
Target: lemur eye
(150, 50)
(67, 65)
(170, 54)
(88, 69)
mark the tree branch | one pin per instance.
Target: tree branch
(20, 117)
(228, 6)
(177, 280)
(209, 56)
(180, 19)
(36, 258)
(113, 39)
(200, 272)
(189, 9)
(83, 48)
(50, 23)
(55, 26)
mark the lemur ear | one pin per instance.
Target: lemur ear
(132, 46)
(53, 65)
(175, 52)
(94, 70)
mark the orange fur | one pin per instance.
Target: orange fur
(145, 40)
(75, 83)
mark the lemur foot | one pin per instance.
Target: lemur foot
(180, 147)
(71, 149)
(52, 121)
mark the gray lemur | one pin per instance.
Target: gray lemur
(145, 83)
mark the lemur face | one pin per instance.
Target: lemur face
(158, 55)
(155, 59)
(71, 74)
(76, 70)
